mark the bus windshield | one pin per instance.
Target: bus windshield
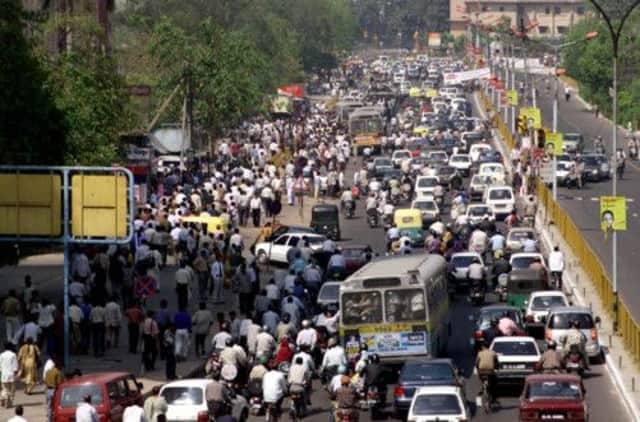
(364, 307)
(365, 125)
(404, 305)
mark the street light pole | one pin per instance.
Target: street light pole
(556, 57)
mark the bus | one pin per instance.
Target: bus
(398, 307)
(366, 126)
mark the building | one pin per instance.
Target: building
(553, 17)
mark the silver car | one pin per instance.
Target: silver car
(557, 326)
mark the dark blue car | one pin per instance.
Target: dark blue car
(422, 373)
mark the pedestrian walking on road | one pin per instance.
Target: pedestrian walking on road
(28, 358)
(182, 322)
(11, 312)
(183, 278)
(556, 266)
(135, 317)
(8, 371)
(98, 328)
(255, 205)
(217, 274)
(52, 379)
(168, 344)
(19, 411)
(201, 267)
(155, 405)
(150, 334)
(202, 321)
(113, 321)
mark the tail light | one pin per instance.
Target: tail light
(203, 416)
(594, 335)
(398, 391)
(575, 415)
(528, 415)
(478, 335)
(548, 335)
(530, 318)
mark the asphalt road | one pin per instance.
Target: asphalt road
(584, 206)
(602, 395)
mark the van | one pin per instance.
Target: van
(111, 393)
(501, 198)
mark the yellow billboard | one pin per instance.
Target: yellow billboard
(553, 143)
(99, 206)
(31, 204)
(512, 97)
(532, 117)
(613, 213)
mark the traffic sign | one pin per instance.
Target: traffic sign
(99, 206)
(30, 204)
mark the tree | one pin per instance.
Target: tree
(32, 127)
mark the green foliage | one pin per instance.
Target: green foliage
(32, 128)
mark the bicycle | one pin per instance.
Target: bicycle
(486, 396)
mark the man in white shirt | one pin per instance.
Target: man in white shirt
(307, 336)
(334, 356)
(274, 387)
(134, 413)
(8, 370)
(85, 412)
(556, 265)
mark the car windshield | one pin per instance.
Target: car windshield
(436, 404)
(329, 293)
(519, 235)
(559, 390)
(590, 160)
(427, 182)
(547, 302)
(182, 396)
(363, 307)
(446, 170)
(381, 162)
(479, 211)
(522, 262)
(438, 155)
(426, 371)
(425, 205)
(560, 321)
(73, 395)
(403, 154)
(481, 180)
(500, 194)
(460, 159)
(484, 320)
(405, 305)
(462, 261)
(515, 348)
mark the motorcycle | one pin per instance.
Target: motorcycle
(376, 401)
(272, 412)
(372, 218)
(349, 208)
(346, 415)
(633, 152)
(387, 221)
(476, 294)
(256, 405)
(574, 361)
(296, 394)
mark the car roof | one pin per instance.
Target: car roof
(191, 382)
(438, 389)
(513, 339)
(468, 253)
(553, 377)
(498, 308)
(97, 378)
(526, 255)
(548, 293)
(571, 310)
(436, 361)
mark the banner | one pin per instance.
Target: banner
(512, 97)
(468, 75)
(553, 143)
(531, 116)
(415, 92)
(430, 93)
(613, 213)
(434, 39)
(295, 90)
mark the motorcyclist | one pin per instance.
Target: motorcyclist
(476, 274)
(346, 399)
(620, 158)
(530, 207)
(376, 375)
(567, 93)
(486, 364)
(507, 326)
(438, 195)
(478, 241)
(512, 219)
(489, 334)
(371, 203)
(274, 388)
(218, 397)
(497, 242)
(632, 146)
(334, 357)
(551, 360)
(299, 381)
(347, 197)
(575, 337)
(394, 188)
(387, 211)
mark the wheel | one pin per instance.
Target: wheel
(262, 257)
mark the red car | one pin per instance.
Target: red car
(553, 397)
(111, 393)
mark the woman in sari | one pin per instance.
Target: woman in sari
(28, 357)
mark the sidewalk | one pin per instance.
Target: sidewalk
(580, 290)
(46, 273)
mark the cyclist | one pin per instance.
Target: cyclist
(486, 364)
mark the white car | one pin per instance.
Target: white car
(477, 212)
(276, 250)
(439, 403)
(478, 185)
(428, 207)
(461, 162)
(495, 170)
(460, 267)
(438, 156)
(186, 401)
(501, 198)
(399, 156)
(540, 303)
(476, 149)
(523, 260)
(425, 185)
(517, 357)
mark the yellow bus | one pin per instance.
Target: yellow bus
(398, 306)
(366, 126)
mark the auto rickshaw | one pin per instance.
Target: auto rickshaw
(520, 284)
(213, 223)
(325, 220)
(421, 131)
(409, 223)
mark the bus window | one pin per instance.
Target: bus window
(361, 308)
(405, 305)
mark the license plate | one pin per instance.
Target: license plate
(522, 366)
(552, 417)
(572, 365)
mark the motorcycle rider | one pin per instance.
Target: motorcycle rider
(551, 360)
(299, 381)
(567, 93)
(274, 388)
(347, 198)
(620, 158)
(438, 195)
(346, 399)
(486, 364)
(512, 219)
(632, 145)
(371, 208)
(333, 357)
(530, 207)
(476, 274)
(376, 375)
(218, 397)
(506, 325)
(575, 337)
(492, 332)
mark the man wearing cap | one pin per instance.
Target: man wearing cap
(333, 357)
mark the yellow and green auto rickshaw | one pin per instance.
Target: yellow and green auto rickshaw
(521, 283)
(409, 223)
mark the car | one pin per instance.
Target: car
(477, 212)
(380, 163)
(111, 393)
(461, 162)
(399, 156)
(387, 174)
(563, 169)
(328, 294)
(490, 156)
(425, 186)
(276, 250)
(459, 268)
(429, 209)
(438, 157)
(515, 236)
(573, 143)
(445, 173)
(596, 167)
(501, 198)
(439, 403)
(541, 303)
(281, 229)
(422, 373)
(553, 397)
(355, 257)
(557, 325)
(523, 260)
(482, 321)
(478, 185)
(518, 357)
(186, 401)
(476, 149)
(417, 163)
(496, 170)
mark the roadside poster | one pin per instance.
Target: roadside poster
(415, 92)
(512, 97)
(434, 39)
(532, 117)
(454, 78)
(553, 143)
(613, 213)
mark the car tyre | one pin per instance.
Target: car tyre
(262, 257)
